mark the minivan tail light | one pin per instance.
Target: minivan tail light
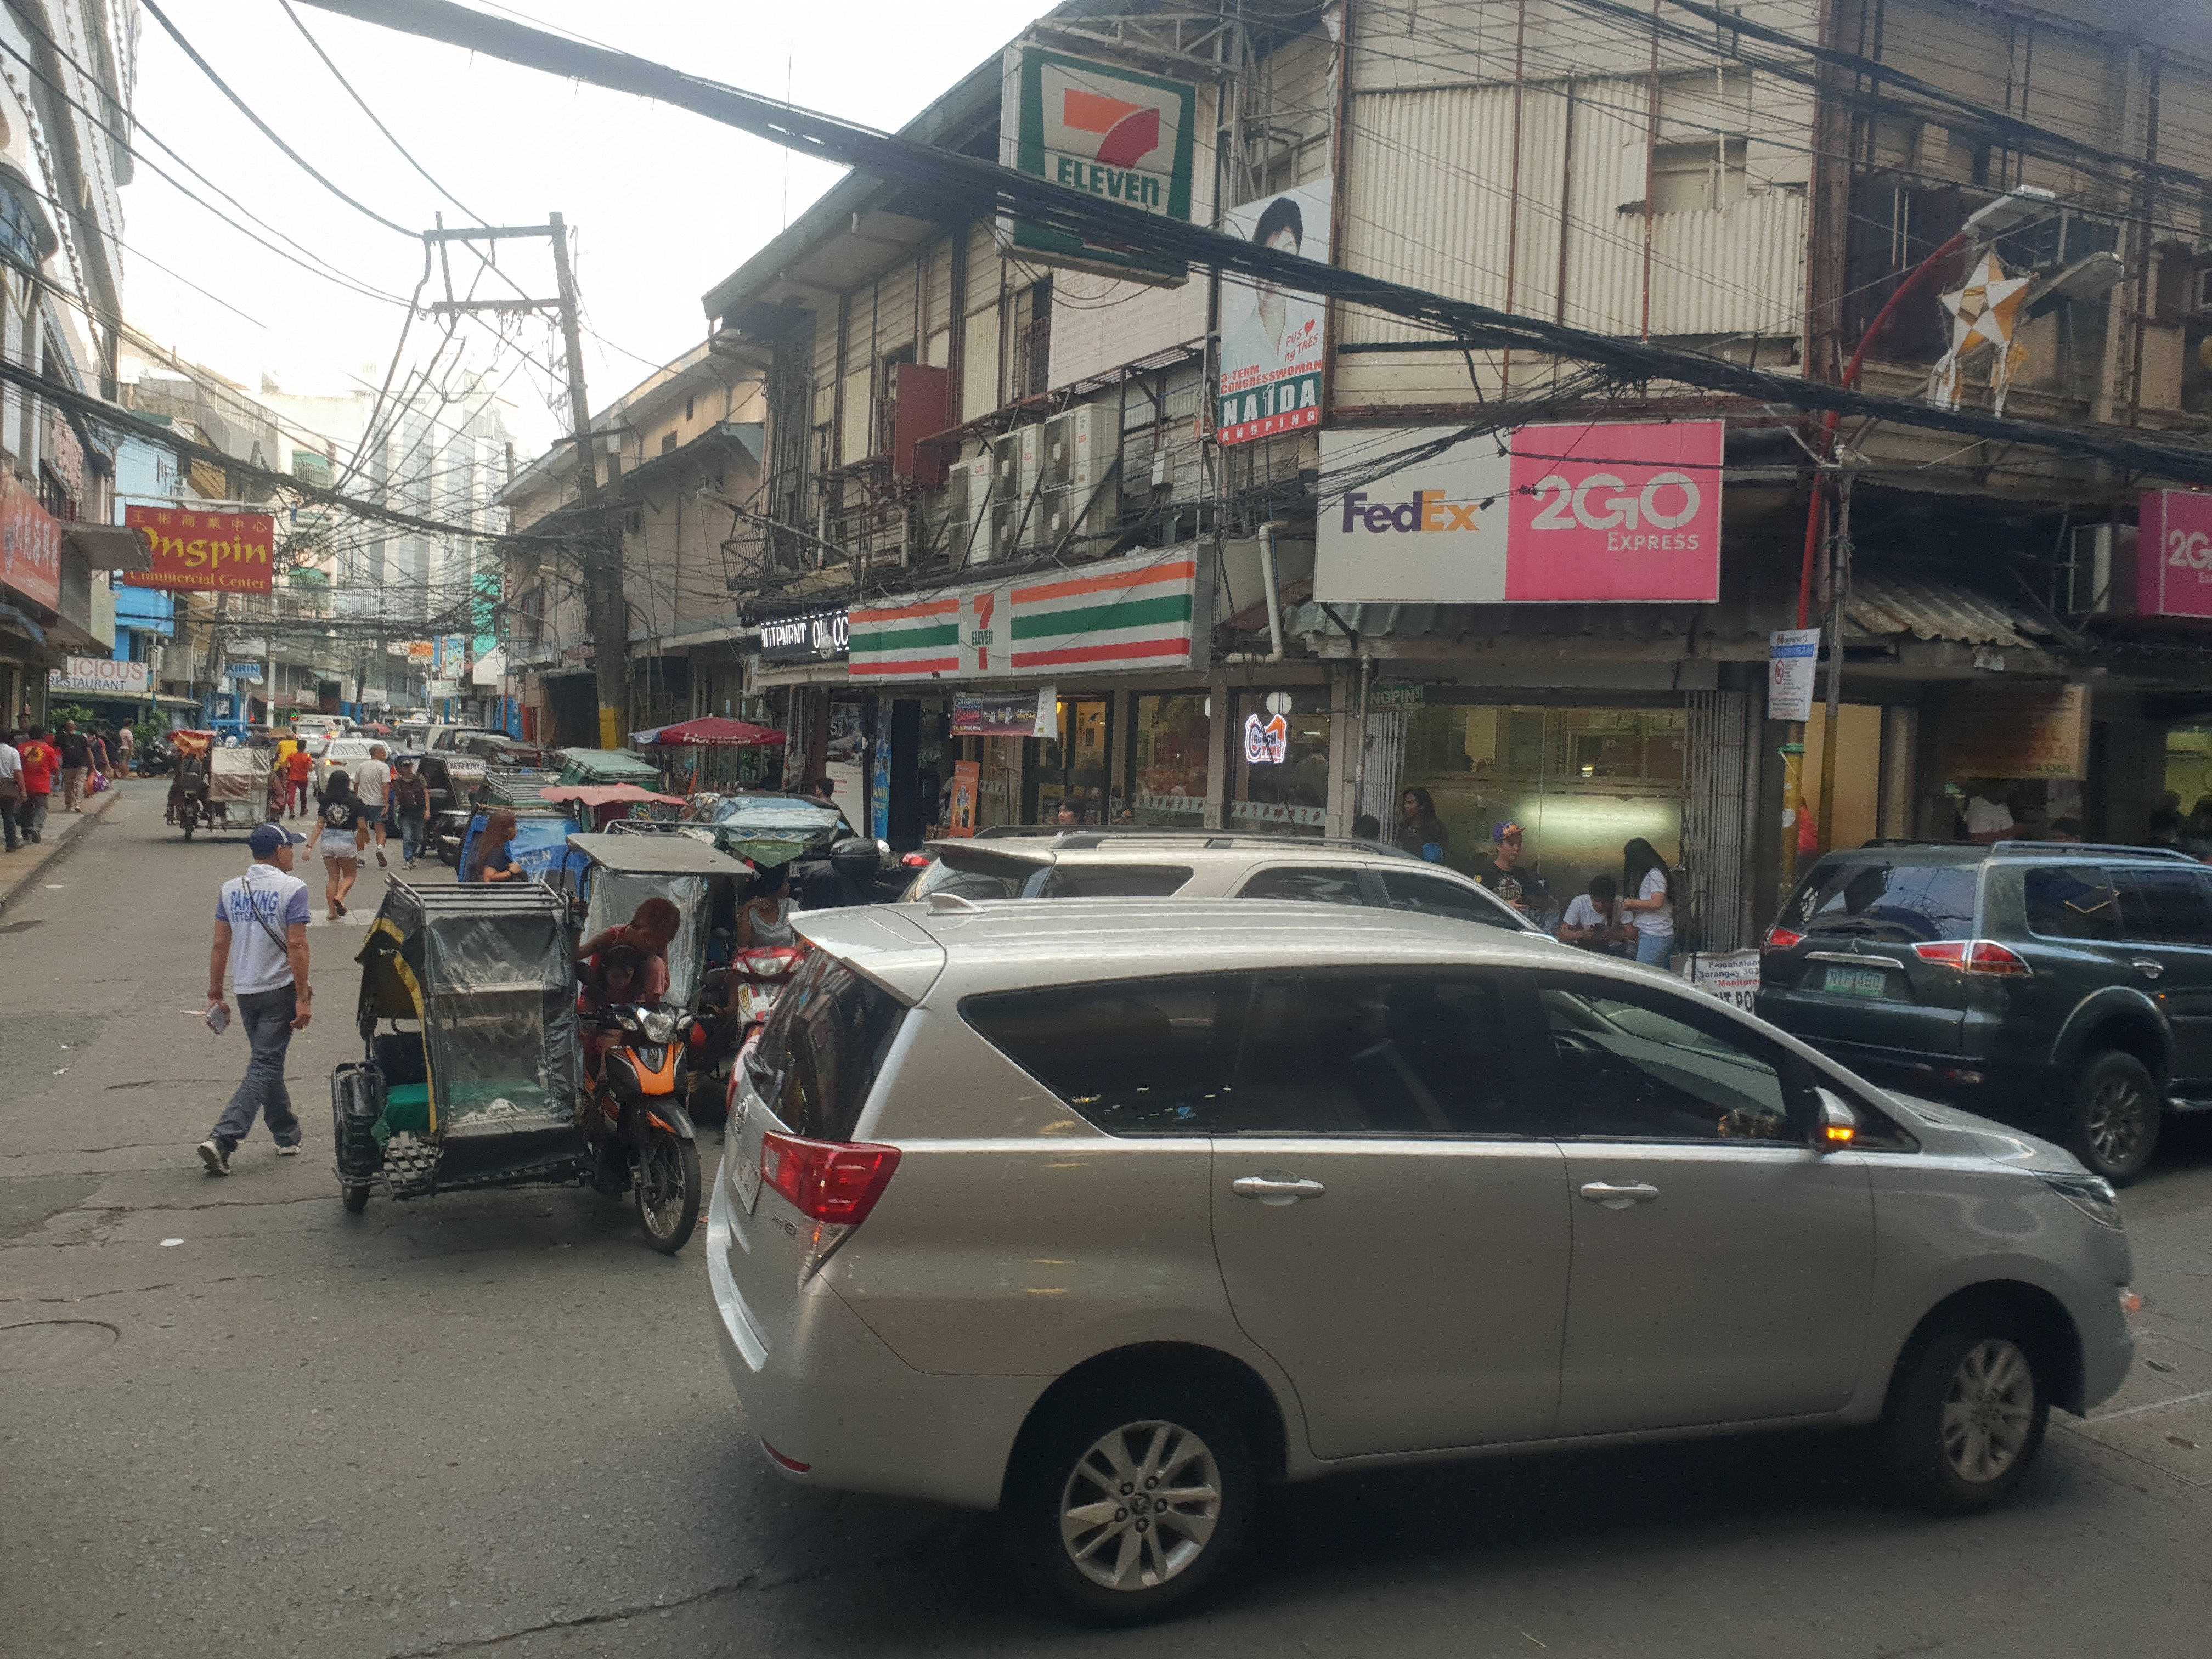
(1779, 937)
(1975, 956)
(829, 1181)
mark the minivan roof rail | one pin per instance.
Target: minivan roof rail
(1091, 836)
(2034, 849)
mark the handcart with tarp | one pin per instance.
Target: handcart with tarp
(472, 1072)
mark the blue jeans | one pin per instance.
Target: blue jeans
(266, 1017)
(411, 834)
(1654, 947)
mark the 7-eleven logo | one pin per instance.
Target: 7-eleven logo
(1107, 134)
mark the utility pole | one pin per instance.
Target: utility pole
(606, 608)
(604, 603)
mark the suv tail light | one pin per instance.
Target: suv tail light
(1779, 937)
(828, 1180)
(1974, 956)
(833, 1183)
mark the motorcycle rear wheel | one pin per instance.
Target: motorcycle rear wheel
(667, 1183)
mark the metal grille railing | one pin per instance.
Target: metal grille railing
(1716, 816)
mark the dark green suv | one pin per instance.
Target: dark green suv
(2068, 988)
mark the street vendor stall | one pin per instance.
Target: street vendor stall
(724, 740)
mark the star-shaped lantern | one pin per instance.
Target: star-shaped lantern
(1983, 313)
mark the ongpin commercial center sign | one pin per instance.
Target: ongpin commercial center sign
(204, 552)
(1114, 133)
(1545, 515)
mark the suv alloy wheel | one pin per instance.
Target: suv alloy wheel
(1130, 1501)
(1967, 1413)
(2112, 1121)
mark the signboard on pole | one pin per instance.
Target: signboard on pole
(1272, 343)
(203, 552)
(1114, 133)
(1595, 512)
(1793, 657)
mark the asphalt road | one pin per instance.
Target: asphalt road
(498, 1425)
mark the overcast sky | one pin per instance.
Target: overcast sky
(664, 204)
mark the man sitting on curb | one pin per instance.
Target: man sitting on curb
(261, 933)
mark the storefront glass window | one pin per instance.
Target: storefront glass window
(1581, 783)
(1072, 767)
(1167, 760)
(1279, 760)
(999, 787)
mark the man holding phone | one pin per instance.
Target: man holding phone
(261, 936)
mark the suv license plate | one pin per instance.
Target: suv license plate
(748, 1182)
(1855, 982)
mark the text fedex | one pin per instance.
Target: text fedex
(1648, 518)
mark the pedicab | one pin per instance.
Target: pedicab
(218, 787)
(473, 1074)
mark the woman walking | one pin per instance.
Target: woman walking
(1421, 831)
(340, 841)
(1648, 884)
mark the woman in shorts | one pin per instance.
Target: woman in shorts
(340, 841)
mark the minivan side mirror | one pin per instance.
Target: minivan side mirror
(1835, 1125)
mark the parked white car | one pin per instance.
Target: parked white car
(1203, 864)
(1106, 1213)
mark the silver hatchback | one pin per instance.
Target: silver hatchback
(1106, 1213)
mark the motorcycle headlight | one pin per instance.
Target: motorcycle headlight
(2091, 1195)
(658, 1024)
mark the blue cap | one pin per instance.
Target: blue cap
(268, 837)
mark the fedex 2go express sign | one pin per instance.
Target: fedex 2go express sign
(1599, 512)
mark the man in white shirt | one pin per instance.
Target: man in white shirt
(371, 780)
(11, 787)
(1987, 817)
(261, 936)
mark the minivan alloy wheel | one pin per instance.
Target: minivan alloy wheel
(2118, 1119)
(1141, 1505)
(1989, 1410)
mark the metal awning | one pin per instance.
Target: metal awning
(109, 546)
(1887, 604)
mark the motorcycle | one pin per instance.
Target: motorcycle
(640, 1137)
(761, 975)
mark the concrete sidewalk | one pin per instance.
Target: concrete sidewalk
(22, 870)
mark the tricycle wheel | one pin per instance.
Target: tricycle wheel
(356, 1198)
(189, 827)
(667, 1190)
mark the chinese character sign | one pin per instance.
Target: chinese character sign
(204, 552)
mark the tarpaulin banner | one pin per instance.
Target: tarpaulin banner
(30, 547)
(204, 552)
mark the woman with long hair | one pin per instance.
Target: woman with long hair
(494, 857)
(1647, 886)
(1421, 831)
(340, 841)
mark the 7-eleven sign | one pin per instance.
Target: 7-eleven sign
(1116, 133)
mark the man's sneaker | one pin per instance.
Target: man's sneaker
(213, 1154)
(288, 1150)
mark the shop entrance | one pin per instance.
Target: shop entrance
(1071, 768)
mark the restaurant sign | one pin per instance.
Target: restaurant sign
(204, 552)
(101, 676)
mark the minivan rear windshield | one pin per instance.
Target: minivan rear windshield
(821, 1050)
(1875, 898)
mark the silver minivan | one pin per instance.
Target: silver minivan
(1105, 1214)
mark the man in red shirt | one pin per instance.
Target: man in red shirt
(41, 760)
(299, 768)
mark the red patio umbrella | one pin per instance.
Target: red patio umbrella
(709, 732)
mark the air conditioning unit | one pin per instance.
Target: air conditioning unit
(967, 501)
(2196, 291)
(1005, 520)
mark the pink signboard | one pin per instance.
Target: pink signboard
(1616, 512)
(30, 547)
(2173, 550)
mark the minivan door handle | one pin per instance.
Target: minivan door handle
(2147, 968)
(1275, 1188)
(1619, 1195)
